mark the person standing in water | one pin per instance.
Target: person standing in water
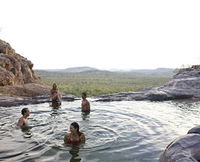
(74, 137)
(85, 105)
(55, 96)
(23, 121)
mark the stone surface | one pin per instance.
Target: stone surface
(14, 68)
(184, 149)
(19, 85)
(7, 101)
(184, 85)
(26, 90)
(17, 77)
(195, 130)
(31, 93)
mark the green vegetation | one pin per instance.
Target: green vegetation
(101, 82)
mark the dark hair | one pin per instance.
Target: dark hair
(84, 94)
(54, 86)
(76, 126)
(24, 110)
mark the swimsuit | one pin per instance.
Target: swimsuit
(72, 141)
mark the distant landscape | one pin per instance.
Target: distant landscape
(97, 82)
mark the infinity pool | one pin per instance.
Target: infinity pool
(134, 131)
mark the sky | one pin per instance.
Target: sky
(106, 34)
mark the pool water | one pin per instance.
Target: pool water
(122, 131)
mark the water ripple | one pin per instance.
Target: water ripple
(115, 131)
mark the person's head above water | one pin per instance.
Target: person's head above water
(55, 86)
(74, 128)
(84, 95)
(24, 119)
(25, 112)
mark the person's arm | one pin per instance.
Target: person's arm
(82, 105)
(66, 137)
(51, 95)
(88, 104)
(60, 97)
(82, 137)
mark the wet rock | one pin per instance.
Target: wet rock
(184, 149)
(7, 101)
(195, 130)
(26, 94)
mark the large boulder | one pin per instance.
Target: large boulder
(14, 68)
(184, 149)
(185, 84)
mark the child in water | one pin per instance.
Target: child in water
(85, 105)
(23, 121)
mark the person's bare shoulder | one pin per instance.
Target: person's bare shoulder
(20, 122)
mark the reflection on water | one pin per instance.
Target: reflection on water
(74, 153)
(27, 131)
(55, 112)
(115, 131)
(85, 116)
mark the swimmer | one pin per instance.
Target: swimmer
(85, 105)
(74, 137)
(55, 96)
(23, 121)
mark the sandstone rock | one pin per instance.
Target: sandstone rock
(195, 130)
(30, 93)
(184, 149)
(184, 85)
(7, 78)
(18, 82)
(26, 90)
(7, 101)
(14, 68)
(194, 71)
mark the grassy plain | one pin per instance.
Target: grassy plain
(101, 82)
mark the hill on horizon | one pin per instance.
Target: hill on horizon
(71, 70)
(153, 71)
(167, 71)
(98, 82)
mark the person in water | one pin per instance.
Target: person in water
(55, 96)
(74, 137)
(23, 121)
(85, 105)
